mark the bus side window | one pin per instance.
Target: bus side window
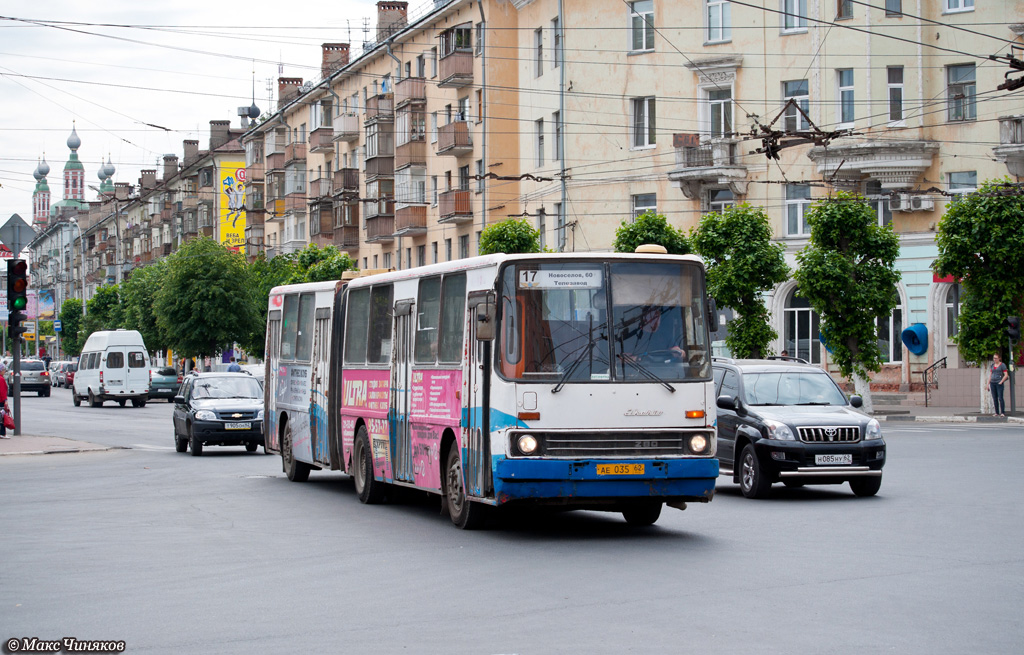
(290, 329)
(356, 317)
(429, 300)
(453, 318)
(381, 321)
(304, 337)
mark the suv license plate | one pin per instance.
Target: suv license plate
(833, 459)
(238, 426)
(620, 469)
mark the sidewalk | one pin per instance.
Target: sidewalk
(28, 444)
(910, 407)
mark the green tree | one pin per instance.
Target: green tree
(650, 228)
(316, 264)
(72, 336)
(513, 235)
(104, 310)
(138, 298)
(742, 263)
(205, 303)
(265, 274)
(981, 242)
(848, 275)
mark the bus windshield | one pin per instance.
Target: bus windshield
(601, 322)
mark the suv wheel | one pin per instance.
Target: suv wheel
(753, 482)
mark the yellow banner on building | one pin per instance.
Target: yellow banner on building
(232, 203)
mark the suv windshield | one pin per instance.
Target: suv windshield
(233, 387)
(791, 388)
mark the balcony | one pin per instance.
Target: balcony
(895, 164)
(375, 207)
(707, 163)
(411, 154)
(379, 108)
(455, 206)
(454, 139)
(346, 127)
(410, 89)
(101, 246)
(380, 229)
(456, 70)
(166, 249)
(346, 181)
(275, 208)
(411, 220)
(294, 152)
(347, 238)
(380, 167)
(275, 161)
(190, 201)
(322, 139)
(295, 202)
(166, 214)
(321, 188)
(1011, 144)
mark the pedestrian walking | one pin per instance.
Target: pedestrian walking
(998, 376)
(4, 411)
(233, 367)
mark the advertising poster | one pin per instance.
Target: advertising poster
(46, 305)
(232, 203)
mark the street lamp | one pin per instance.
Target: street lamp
(81, 241)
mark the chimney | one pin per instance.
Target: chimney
(121, 190)
(287, 88)
(391, 17)
(191, 150)
(220, 133)
(148, 179)
(335, 58)
(170, 166)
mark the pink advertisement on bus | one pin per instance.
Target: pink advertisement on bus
(365, 393)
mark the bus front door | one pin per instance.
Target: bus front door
(401, 393)
(476, 464)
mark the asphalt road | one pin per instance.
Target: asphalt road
(221, 554)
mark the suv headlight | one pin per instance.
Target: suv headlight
(873, 431)
(779, 431)
(205, 415)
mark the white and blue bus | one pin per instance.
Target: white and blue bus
(502, 380)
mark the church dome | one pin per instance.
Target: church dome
(108, 168)
(254, 111)
(74, 142)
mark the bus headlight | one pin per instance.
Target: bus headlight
(698, 444)
(874, 430)
(527, 444)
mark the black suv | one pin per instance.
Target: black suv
(782, 420)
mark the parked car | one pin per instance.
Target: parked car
(783, 420)
(112, 366)
(66, 374)
(54, 369)
(255, 370)
(34, 377)
(164, 383)
(218, 409)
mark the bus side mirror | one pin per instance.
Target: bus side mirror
(486, 319)
(712, 315)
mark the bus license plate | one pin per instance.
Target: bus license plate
(238, 426)
(833, 459)
(620, 469)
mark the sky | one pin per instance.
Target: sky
(136, 79)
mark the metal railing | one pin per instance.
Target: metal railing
(924, 374)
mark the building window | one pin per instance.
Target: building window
(556, 43)
(559, 227)
(718, 21)
(433, 127)
(480, 175)
(463, 246)
(540, 141)
(878, 199)
(643, 203)
(387, 260)
(433, 62)
(556, 123)
(641, 17)
(890, 329)
(844, 9)
(479, 106)
(895, 74)
(720, 199)
(959, 5)
(479, 39)
(433, 190)
(844, 78)
(893, 7)
(953, 295)
(643, 123)
(542, 219)
(960, 93)
(794, 15)
(538, 52)
(798, 199)
(464, 178)
(963, 183)
(720, 109)
(447, 250)
(801, 329)
(421, 255)
(797, 91)
(464, 112)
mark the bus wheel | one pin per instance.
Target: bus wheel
(370, 491)
(464, 514)
(295, 470)
(645, 514)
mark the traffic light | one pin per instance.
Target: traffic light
(1013, 328)
(17, 295)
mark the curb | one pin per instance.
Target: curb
(904, 418)
(29, 444)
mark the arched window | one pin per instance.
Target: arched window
(801, 329)
(953, 294)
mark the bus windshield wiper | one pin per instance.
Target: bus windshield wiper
(644, 371)
(587, 351)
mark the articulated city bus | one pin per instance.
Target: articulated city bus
(575, 380)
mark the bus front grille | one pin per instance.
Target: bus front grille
(612, 444)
